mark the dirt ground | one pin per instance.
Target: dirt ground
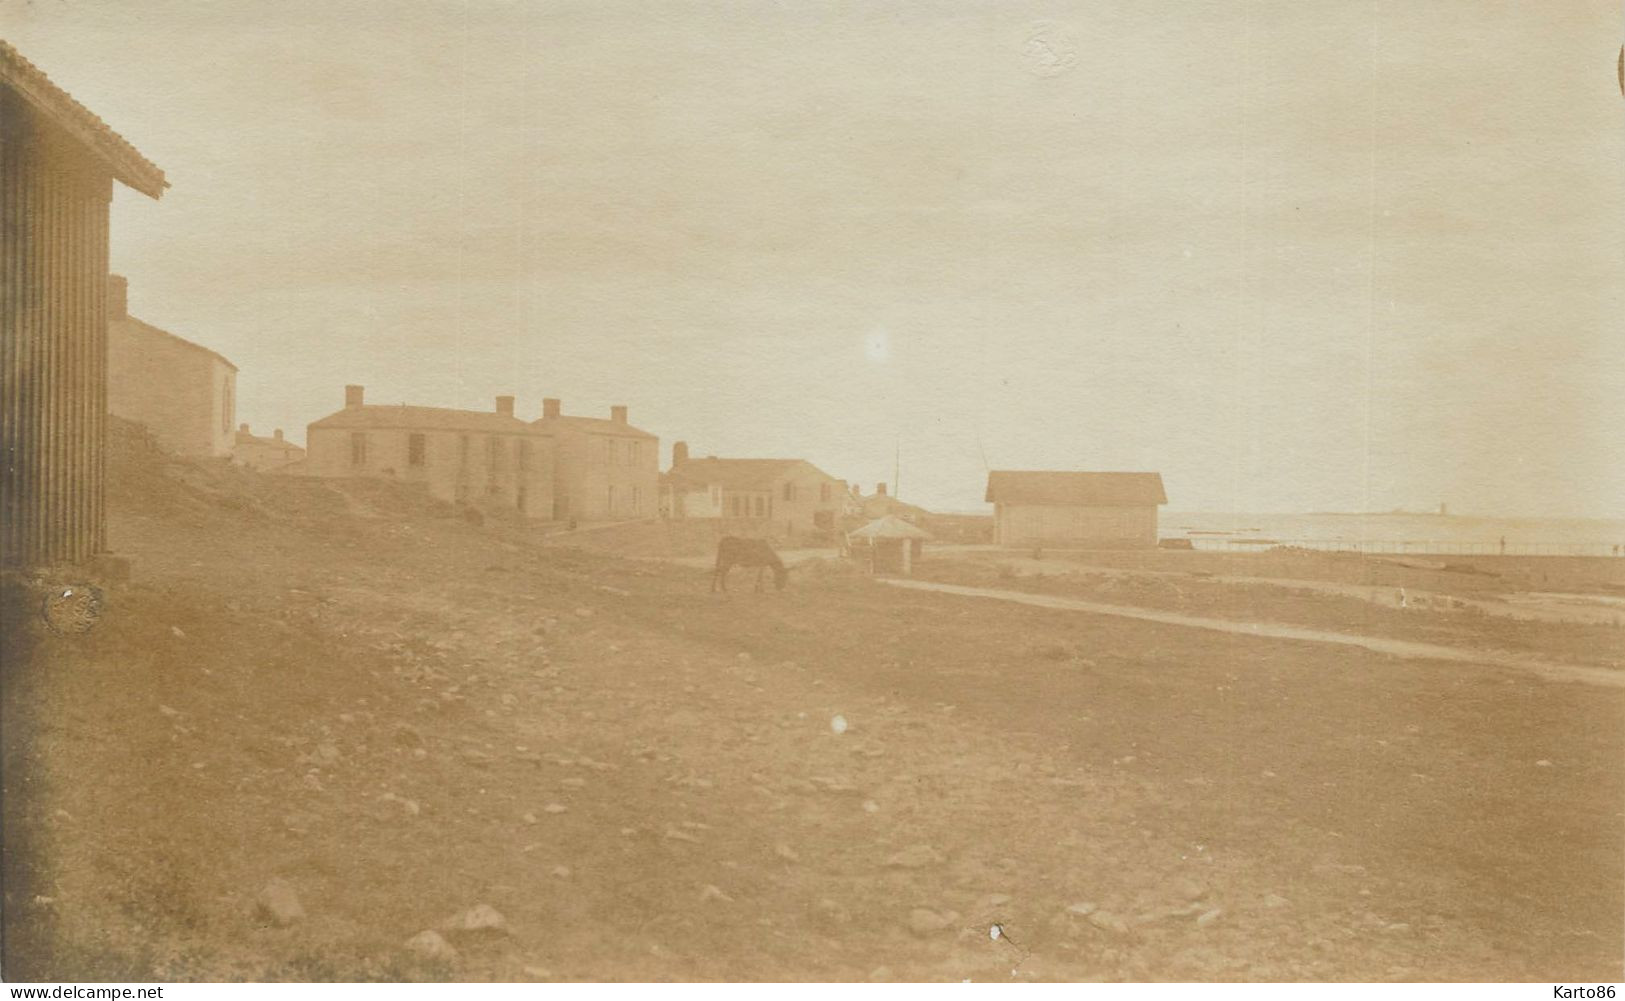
(393, 716)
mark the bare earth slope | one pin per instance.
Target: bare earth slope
(402, 716)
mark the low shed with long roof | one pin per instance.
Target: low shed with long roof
(1075, 509)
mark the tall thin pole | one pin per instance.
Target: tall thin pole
(897, 470)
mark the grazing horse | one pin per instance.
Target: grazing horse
(733, 551)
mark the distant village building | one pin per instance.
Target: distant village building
(1086, 510)
(266, 454)
(491, 459)
(791, 494)
(605, 470)
(880, 504)
(184, 393)
(58, 162)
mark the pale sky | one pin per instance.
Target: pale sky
(1294, 255)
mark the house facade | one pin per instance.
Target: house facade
(1079, 509)
(58, 163)
(184, 393)
(262, 453)
(490, 459)
(791, 495)
(604, 470)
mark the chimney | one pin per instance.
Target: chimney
(277, 434)
(618, 414)
(880, 489)
(550, 408)
(243, 428)
(353, 396)
(679, 453)
(505, 406)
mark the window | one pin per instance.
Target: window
(522, 459)
(358, 448)
(637, 500)
(605, 447)
(716, 497)
(761, 507)
(493, 458)
(610, 509)
(739, 506)
(416, 446)
(789, 491)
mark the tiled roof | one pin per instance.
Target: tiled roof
(737, 474)
(159, 331)
(889, 527)
(424, 419)
(591, 425)
(1067, 489)
(122, 159)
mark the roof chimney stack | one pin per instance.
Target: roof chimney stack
(243, 428)
(679, 453)
(277, 434)
(505, 406)
(618, 414)
(880, 489)
(550, 408)
(353, 396)
(118, 297)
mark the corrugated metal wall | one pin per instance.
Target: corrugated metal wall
(53, 318)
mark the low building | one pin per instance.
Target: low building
(267, 454)
(789, 494)
(58, 165)
(184, 393)
(888, 545)
(1075, 509)
(488, 459)
(605, 470)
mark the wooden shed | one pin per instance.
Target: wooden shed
(888, 545)
(1078, 509)
(58, 163)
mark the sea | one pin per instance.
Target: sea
(1399, 532)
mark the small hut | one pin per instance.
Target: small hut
(888, 545)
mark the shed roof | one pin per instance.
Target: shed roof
(738, 474)
(123, 160)
(889, 527)
(132, 323)
(424, 419)
(1075, 489)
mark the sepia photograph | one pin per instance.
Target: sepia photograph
(812, 491)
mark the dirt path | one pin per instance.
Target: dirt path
(1392, 647)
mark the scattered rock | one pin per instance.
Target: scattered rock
(1189, 889)
(882, 974)
(1107, 921)
(1082, 908)
(584, 613)
(561, 871)
(924, 921)
(539, 972)
(279, 903)
(1208, 917)
(176, 632)
(171, 713)
(1275, 901)
(677, 835)
(429, 945)
(870, 806)
(713, 893)
(916, 857)
(482, 921)
(787, 853)
(530, 818)
(837, 724)
(1543, 763)
(555, 808)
